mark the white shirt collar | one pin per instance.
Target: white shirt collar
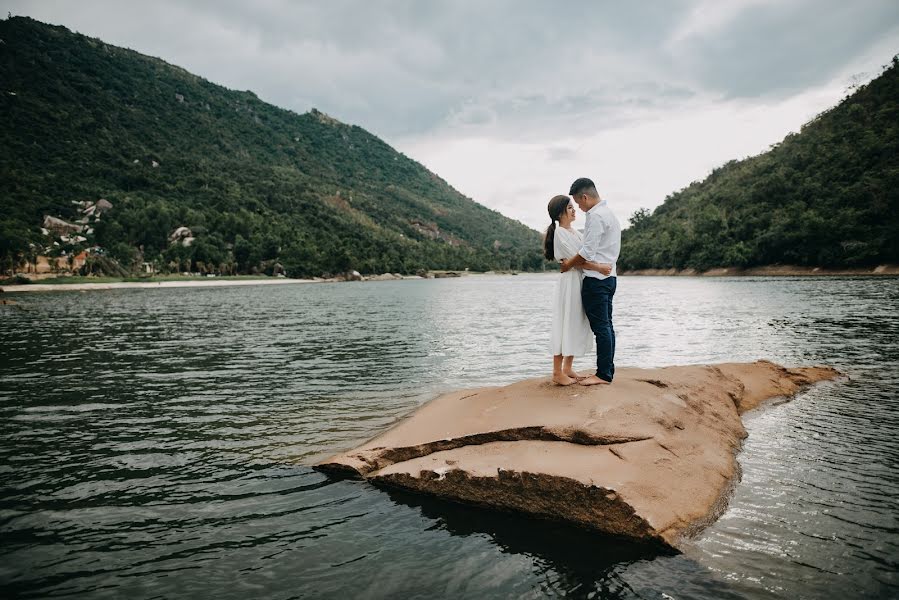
(598, 204)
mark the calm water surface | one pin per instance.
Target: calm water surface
(156, 443)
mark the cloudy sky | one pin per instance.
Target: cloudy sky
(511, 100)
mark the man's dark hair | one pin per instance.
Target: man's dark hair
(583, 186)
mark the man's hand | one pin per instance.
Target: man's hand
(565, 268)
(604, 268)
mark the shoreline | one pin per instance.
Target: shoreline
(124, 285)
(198, 282)
(769, 271)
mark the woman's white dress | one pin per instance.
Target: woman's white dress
(571, 334)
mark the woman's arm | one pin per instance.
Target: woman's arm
(604, 268)
(572, 263)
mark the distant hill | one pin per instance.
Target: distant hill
(254, 184)
(827, 196)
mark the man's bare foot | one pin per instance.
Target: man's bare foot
(563, 379)
(594, 380)
(575, 375)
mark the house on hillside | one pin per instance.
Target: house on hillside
(78, 260)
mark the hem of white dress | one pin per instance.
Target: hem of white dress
(574, 354)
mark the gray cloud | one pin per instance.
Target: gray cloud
(397, 67)
(784, 47)
(560, 153)
(524, 82)
(405, 67)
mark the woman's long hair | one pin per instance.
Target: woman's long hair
(556, 207)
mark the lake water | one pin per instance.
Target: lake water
(156, 443)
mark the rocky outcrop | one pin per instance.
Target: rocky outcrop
(60, 227)
(652, 457)
(384, 277)
(181, 235)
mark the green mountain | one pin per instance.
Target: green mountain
(827, 196)
(254, 184)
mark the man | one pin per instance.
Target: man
(602, 244)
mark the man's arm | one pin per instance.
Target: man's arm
(604, 268)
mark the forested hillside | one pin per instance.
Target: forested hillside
(827, 196)
(255, 185)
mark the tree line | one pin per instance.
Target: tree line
(826, 196)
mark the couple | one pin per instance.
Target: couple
(583, 300)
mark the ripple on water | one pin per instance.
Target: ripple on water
(156, 442)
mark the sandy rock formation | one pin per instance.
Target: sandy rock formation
(652, 457)
(59, 227)
(385, 277)
(181, 235)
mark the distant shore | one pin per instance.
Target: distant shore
(84, 283)
(77, 283)
(123, 285)
(769, 271)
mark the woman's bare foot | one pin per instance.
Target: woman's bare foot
(563, 379)
(594, 380)
(575, 375)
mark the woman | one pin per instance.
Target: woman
(570, 335)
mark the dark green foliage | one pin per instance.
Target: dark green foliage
(256, 184)
(828, 196)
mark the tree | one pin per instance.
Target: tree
(13, 247)
(639, 216)
(125, 254)
(242, 252)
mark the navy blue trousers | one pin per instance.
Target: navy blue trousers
(597, 295)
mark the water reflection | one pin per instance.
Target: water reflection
(568, 560)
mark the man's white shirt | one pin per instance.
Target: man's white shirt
(602, 239)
